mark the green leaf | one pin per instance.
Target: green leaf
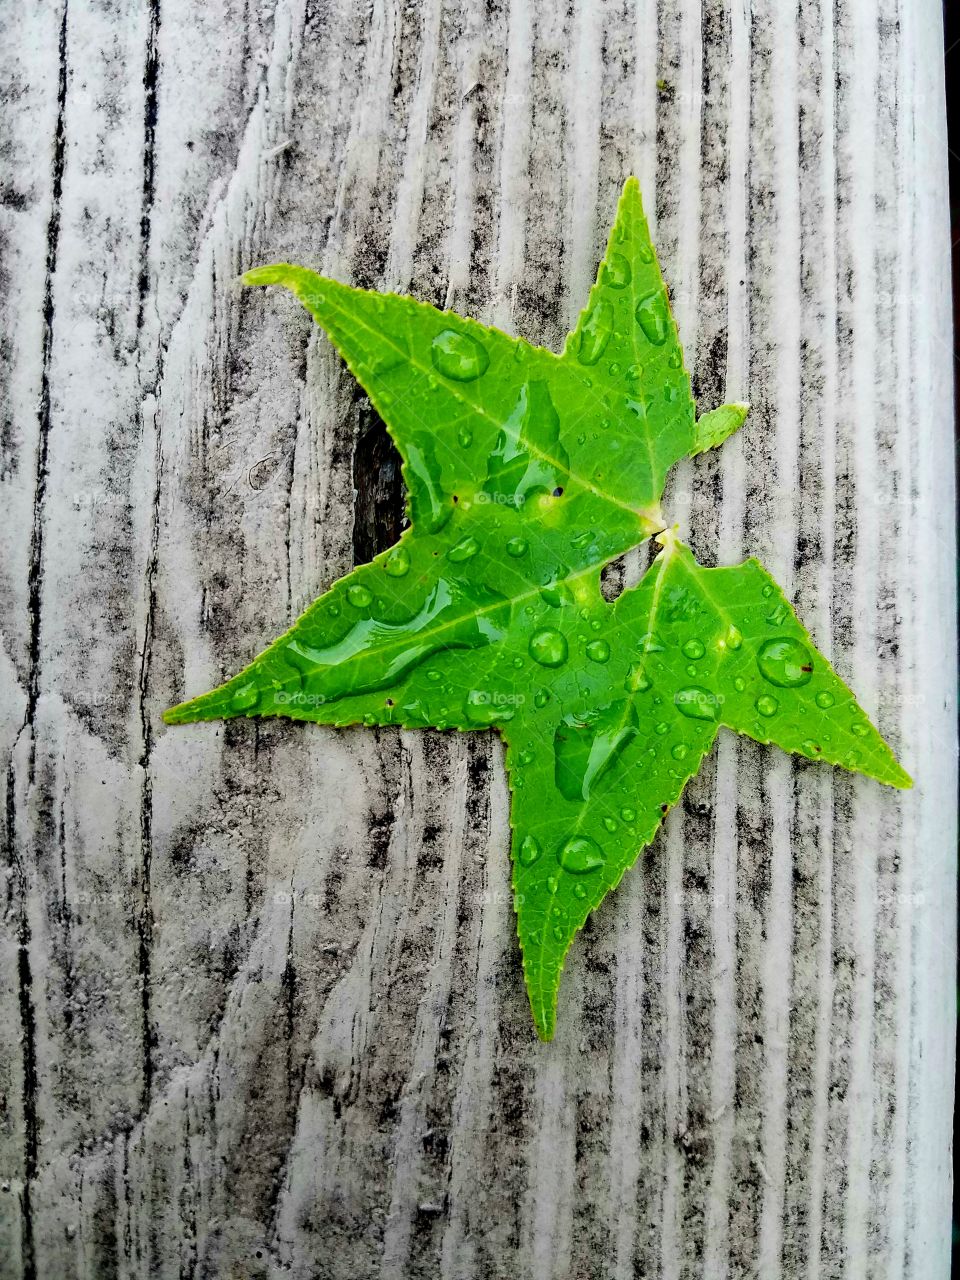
(527, 472)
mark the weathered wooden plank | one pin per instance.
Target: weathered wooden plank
(264, 1013)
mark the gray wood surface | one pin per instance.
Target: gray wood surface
(262, 1012)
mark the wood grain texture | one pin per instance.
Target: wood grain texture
(262, 1012)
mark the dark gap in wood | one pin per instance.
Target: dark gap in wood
(379, 504)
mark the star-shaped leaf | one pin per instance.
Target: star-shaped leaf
(527, 472)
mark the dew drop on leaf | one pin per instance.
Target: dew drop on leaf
(785, 663)
(616, 271)
(767, 705)
(579, 855)
(610, 824)
(824, 699)
(246, 696)
(637, 680)
(551, 884)
(598, 651)
(517, 547)
(529, 851)
(579, 891)
(652, 318)
(398, 563)
(693, 649)
(627, 814)
(859, 729)
(650, 643)
(465, 549)
(541, 698)
(557, 933)
(458, 356)
(548, 647)
(679, 751)
(739, 684)
(734, 638)
(810, 748)
(696, 703)
(359, 596)
(595, 333)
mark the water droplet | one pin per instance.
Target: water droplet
(595, 333)
(852, 760)
(556, 595)
(767, 591)
(464, 549)
(557, 933)
(580, 855)
(458, 356)
(691, 670)
(541, 698)
(696, 703)
(245, 697)
(528, 456)
(398, 562)
(650, 643)
(610, 824)
(652, 318)
(595, 625)
(637, 680)
(679, 751)
(484, 707)
(517, 547)
(634, 373)
(824, 699)
(693, 649)
(860, 729)
(645, 252)
(526, 757)
(589, 743)
(518, 661)
(674, 359)
(548, 647)
(767, 705)
(734, 638)
(579, 890)
(779, 615)
(627, 814)
(810, 748)
(465, 437)
(785, 663)
(662, 727)
(551, 884)
(529, 851)
(598, 651)
(739, 684)
(616, 271)
(430, 508)
(359, 596)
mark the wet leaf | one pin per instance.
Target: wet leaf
(527, 472)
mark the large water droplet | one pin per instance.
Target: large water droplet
(484, 707)
(517, 547)
(529, 851)
(610, 823)
(616, 271)
(785, 662)
(824, 699)
(588, 744)
(430, 508)
(696, 703)
(595, 333)
(767, 705)
(465, 549)
(458, 355)
(627, 814)
(651, 643)
(734, 638)
(398, 562)
(679, 751)
(540, 699)
(693, 649)
(247, 696)
(548, 647)
(637, 680)
(598, 651)
(528, 457)
(652, 318)
(580, 855)
(359, 596)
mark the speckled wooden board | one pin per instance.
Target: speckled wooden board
(262, 1012)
